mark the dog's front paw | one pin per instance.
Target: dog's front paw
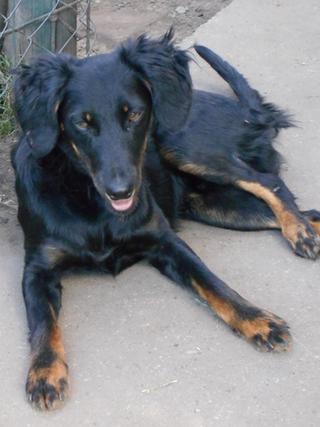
(47, 387)
(267, 332)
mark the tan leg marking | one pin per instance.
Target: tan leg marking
(47, 382)
(194, 169)
(266, 331)
(173, 157)
(316, 226)
(292, 227)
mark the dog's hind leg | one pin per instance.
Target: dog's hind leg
(229, 207)
(177, 261)
(47, 381)
(298, 231)
(234, 209)
(313, 216)
(227, 169)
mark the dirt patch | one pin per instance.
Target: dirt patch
(8, 203)
(117, 20)
(114, 22)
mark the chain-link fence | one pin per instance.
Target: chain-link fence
(31, 27)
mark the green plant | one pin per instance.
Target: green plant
(6, 112)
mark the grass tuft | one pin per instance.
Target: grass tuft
(6, 111)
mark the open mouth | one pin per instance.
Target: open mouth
(121, 205)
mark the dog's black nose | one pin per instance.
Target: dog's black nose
(118, 192)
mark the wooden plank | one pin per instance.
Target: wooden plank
(55, 34)
(3, 12)
(30, 38)
(65, 27)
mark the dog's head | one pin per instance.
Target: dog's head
(99, 109)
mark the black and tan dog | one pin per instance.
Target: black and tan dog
(114, 149)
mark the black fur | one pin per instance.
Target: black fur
(96, 134)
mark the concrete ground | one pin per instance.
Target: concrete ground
(141, 351)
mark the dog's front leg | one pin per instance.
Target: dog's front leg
(47, 382)
(176, 260)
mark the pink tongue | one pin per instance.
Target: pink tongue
(122, 204)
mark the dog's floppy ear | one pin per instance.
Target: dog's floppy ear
(165, 69)
(38, 92)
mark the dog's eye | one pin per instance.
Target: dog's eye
(85, 122)
(82, 125)
(135, 116)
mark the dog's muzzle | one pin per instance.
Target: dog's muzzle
(121, 204)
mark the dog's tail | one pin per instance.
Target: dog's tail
(265, 114)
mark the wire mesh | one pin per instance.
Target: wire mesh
(29, 28)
